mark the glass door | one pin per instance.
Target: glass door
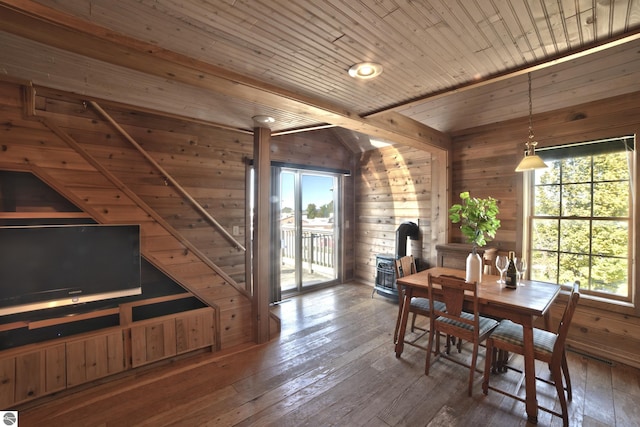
(308, 232)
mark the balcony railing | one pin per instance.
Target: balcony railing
(318, 249)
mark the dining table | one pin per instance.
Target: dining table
(523, 304)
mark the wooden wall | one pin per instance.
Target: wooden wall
(484, 159)
(87, 152)
(317, 148)
(175, 178)
(68, 145)
(393, 185)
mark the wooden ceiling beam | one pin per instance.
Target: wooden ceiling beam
(51, 27)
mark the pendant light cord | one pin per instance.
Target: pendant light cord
(530, 111)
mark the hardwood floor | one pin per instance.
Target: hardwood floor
(333, 364)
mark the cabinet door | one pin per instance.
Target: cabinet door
(55, 368)
(94, 358)
(7, 382)
(28, 376)
(153, 341)
(194, 331)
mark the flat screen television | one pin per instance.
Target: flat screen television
(50, 266)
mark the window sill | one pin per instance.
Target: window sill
(600, 303)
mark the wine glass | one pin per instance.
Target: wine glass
(501, 264)
(521, 267)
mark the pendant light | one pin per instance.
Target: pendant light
(531, 160)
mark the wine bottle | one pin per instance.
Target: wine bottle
(512, 274)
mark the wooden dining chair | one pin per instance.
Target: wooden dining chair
(549, 347)
(419, 306)
(488, 266)
(464, 325)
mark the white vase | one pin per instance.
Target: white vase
(474, 268)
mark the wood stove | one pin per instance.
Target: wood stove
(386, 276)
(385, 283)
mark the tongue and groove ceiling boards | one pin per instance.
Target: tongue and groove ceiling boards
(447, 65)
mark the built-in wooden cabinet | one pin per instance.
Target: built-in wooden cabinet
(55, 349)
(160, 338)
(44, 368)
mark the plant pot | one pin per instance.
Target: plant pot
(474, 268)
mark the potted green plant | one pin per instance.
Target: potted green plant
(478, 223)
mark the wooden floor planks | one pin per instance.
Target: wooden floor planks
(333, 364)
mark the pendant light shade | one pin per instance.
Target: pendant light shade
(531, 160)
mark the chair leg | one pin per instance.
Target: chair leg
(413, 321)
(567, 379)
(556, 374)
(472, 369)
(488, 361)
(430, 349)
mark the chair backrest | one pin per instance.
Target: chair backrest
(565, 322)
(487, 266)
(451, 290)
(405, 265)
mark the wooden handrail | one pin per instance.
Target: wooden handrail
(168, 177)
(121, 186)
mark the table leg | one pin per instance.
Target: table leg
(530, 372)
(404, 315)
(547, 320)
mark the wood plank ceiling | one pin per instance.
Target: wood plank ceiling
(448, 65)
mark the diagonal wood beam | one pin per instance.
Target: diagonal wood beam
(48, 26)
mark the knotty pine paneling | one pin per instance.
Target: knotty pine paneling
(391, 189)
(12, 96)
(32, 145)
(208, 162)
(315, 148)
(484, 159)
(119, 156)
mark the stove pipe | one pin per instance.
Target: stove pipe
(406, 229)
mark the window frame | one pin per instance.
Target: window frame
(629, 305)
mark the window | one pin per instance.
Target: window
(581, 217)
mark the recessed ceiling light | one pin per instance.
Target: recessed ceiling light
(263, 119)
(365, 70)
